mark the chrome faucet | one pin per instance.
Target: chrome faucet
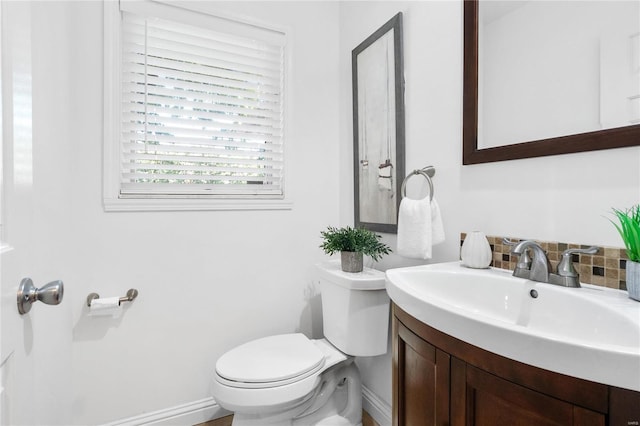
(538, 268)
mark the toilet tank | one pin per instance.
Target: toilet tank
(355, 309)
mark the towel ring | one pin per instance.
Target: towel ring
(427, 172)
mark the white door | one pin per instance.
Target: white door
(34, 347)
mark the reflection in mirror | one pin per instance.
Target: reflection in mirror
(378, 127)
(550, 77)
(569, 65)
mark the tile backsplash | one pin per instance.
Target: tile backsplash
(605, 268)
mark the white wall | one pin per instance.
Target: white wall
(563, 198)
(207, 280)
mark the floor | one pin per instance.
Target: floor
(367, 420)
(223, 421)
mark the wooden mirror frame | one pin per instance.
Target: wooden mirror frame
(591, 141)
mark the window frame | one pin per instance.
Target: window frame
(112, 201)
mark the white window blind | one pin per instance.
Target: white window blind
(201, 110)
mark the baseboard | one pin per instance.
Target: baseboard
(376, 407)
(196, 412)
(188, 414)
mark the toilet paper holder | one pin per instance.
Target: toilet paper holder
(132, 293)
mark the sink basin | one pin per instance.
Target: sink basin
(591, 332)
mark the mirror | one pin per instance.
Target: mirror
(378, 127)
(507, 116)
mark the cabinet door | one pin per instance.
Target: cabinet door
(420, 381)
(480, 398)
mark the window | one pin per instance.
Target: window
(196, 112)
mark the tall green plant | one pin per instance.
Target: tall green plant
(353, 239)
(629, 229)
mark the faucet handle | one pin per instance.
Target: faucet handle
(507, 242)
(524, 260)
(565, 267)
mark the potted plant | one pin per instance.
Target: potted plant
(629, 229)
(352, 243)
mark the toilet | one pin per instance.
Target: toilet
(289, 379)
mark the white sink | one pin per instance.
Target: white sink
(591, 332)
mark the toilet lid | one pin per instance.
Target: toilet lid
(271, 359)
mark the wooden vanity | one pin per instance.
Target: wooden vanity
(440, 380)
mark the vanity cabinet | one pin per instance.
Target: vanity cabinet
(440, 380)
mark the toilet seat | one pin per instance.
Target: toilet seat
(270, 362)
(262, 397)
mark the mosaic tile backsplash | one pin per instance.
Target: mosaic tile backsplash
(605, 268)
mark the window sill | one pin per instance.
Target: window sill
(5, 247)
(195, 204)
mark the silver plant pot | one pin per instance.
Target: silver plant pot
(351, 261)
(633, 280)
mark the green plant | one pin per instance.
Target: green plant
(629, 229)
(353, 239)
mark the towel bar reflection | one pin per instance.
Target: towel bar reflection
(428, 172)
(131, 294)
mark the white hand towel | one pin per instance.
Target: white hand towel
(437, 229)
(419, 228)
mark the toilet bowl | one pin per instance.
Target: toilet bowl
(289, 379)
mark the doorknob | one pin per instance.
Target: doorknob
(51, 294)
